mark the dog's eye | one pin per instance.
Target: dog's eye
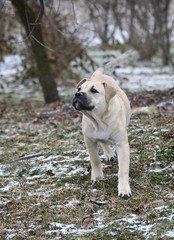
(79, 89)
(93, 90)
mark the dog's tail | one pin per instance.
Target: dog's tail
(108, 67)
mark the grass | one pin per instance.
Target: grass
(48, 195)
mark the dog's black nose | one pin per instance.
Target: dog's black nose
(79, 94)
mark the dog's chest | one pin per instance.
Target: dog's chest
(101, 135)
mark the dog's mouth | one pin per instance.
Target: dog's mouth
(81, 105)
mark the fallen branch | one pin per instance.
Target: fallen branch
(27, 157)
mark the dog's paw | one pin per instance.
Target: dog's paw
(96, 175)
(125, 196)
(108, 153)
(124, 191)
(111, 158)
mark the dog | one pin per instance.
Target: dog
(106, 114)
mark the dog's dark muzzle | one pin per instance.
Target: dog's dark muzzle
(81, 102)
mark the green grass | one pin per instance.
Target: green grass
(37, 192)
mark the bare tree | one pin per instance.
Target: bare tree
(2, 29)
(149, 28)
(146, 22)
(101, 15)
(63, 37)
(161, 16)
(33, 28)
(142, 28)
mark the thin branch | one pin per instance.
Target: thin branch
(73, 8)
(2, 5)
(43, 45)
(37, 22)
(26, 157)
(41, 12)
(28, 24)
(38, 19)
(58, 7)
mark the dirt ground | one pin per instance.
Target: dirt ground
(45, 188)
(149, 98)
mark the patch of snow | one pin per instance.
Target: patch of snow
(134, 224)
(159, 169)
(131, 219)
(72, 203)
(85, 231)
(1, 170)
(163, 103)
(64, 228)
(113, 234)
(144, 70)
(169, 234)
(137, 78)
(161, 207)
(164, 130)
(71, 228)
(43, 158)
(77, 171)
(3, 167)
(111, 175)
(148, 109)
(68, 186)
(170, 217)
(169, 196)
(138, 83)
(9, 186)
(145, 228)
(39, 192)
(57, 168)
(11, 233)
(155, 163)
(153, 137)
(11, 65)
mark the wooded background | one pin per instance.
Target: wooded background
(55, 33)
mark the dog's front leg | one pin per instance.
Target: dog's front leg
(96, 167)
(124, 190)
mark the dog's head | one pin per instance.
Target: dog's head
(93, 95)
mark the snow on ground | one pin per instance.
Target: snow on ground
(61, 166)
(138, 77)
(134, 79)
(11, 65)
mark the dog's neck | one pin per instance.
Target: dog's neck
(95, 120)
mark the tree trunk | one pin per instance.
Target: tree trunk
(132, 16)
(161, 10)
(166, 51)
(34, 33)
(2, 30)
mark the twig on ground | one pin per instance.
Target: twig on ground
(27, 157)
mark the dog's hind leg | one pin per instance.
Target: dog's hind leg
(108, 153)
(96, 167)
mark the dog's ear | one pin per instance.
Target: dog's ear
(110, 92)
(81, 82)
